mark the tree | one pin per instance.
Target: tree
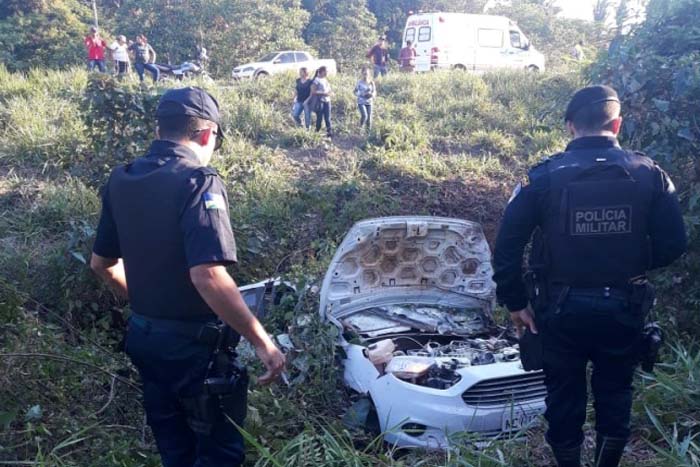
(342, 30)
(553, 34)
(233, 31)
(602, 10)
(42, 34)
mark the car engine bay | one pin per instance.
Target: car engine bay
(432, 360)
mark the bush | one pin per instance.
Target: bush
(655, 70)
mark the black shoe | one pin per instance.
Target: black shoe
(608, 451)
(567, 457)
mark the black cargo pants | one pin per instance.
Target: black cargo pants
(593, 325)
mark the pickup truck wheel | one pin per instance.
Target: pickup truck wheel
(533, 69)
(262, 75)
(459, 67)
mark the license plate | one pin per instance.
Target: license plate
(516, 420)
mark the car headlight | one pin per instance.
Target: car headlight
(423, 371)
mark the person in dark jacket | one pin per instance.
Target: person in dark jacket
(303, 91)
(602, 217)
(164, 241)
(144, 58)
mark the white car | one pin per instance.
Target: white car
(469, 42)
(280, 62)
(413, 297)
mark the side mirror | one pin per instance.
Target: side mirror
(526, 46)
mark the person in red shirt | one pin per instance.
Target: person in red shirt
(95, 46)
(407, 58)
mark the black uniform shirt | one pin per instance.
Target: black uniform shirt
(529, 207)
(163, 214)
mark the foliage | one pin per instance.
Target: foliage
(37, 34)
(554, 35)
(655, 70)
(233, 32)
(341, 30)
(447, 143)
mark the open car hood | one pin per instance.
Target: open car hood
(408, 260)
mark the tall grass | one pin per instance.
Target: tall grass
(449, 144)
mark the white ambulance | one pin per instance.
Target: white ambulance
(469, 42)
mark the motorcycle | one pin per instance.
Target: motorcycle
(184, 70)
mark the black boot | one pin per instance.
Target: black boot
(567, 457)
(608, 451)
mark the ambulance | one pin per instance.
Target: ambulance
(476, 43)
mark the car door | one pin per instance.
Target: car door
(459, 46)
(285, 62)
(302, 59)
(420, 32)
(516, 53)
(491, 48)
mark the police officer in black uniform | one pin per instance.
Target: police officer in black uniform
(601, 217)
(164, 241)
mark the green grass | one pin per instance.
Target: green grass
(449, 144)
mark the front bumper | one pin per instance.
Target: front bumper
(417, 416)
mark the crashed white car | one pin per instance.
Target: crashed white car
(413, 297)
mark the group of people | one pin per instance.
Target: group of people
(379, 56)
(143, 53)
(313, 95)
(599, 218)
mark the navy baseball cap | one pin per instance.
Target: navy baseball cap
(191, 101)
(589, 96)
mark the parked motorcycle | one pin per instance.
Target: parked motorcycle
(184, 70)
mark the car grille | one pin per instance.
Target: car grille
(527, 387)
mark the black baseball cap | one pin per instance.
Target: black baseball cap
(589, 96)
(191, 101)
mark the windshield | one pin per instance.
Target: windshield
(269, 57)
(427, 318)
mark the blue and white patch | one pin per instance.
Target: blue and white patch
(214, 201)
(516, 191)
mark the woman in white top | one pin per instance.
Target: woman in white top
(365, 90)
(120, 54)
(321, 90)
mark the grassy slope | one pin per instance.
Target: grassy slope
(443, 144)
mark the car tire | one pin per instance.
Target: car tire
(459, 67)
(533, 69)
(262, 75)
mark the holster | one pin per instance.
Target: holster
(531, 352)
(224, 391)
(531, 344)
(642, 295)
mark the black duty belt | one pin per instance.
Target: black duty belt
(205, 331)
(561, 292)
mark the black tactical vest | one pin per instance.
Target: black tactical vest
(147, 198)
(594, 231)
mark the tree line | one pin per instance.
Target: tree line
(37, 33)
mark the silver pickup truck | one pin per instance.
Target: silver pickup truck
(280, 62)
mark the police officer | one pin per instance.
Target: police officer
(602, 217)
(164, 241)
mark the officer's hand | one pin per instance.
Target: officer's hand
(273, 360)
(523, 319)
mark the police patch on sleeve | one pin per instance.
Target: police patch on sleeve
(601, 220)
(214, 201)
